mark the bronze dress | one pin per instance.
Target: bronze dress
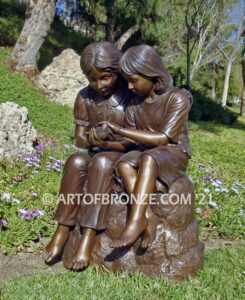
(166, 113)
(90, 171)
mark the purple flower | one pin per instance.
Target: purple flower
(241, 214)
(28, 165)
(25, 214)
(35, 194)
(37, 213)
(198, 210)
(50, 143)
(14, 200)
(206, 190)
(6, 196)
(200, 167)
(235, 190)
(29, 214)
(213, 204)
(35, 172)
(238, 184)
(3, 223)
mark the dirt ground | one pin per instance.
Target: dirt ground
(30, 264)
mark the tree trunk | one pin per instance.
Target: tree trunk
(188, 63)
(242, 111)
(214, 80)
(243, 102)
(124, 38)
(111, 22)
(226, 83)
(39, 16)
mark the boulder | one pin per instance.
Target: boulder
(176, 252)
(63, 78)
(17, 135)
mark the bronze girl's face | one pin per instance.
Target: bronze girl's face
(139, 84)
(101, 81)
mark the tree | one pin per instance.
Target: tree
(229, 56)
(120, 19)
(193, 9)
(209, 32)
(243, 77)
(39, 16)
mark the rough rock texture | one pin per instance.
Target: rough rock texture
(63, 78)
(17, 135)
(176, 252)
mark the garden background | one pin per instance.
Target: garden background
(197, 40)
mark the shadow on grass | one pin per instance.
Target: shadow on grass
(214, 115)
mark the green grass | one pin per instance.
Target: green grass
(51, 120)
(222, 278)
(217, 148)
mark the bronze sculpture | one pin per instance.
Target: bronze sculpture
(157, 120)
(103, 99)
(159, 238)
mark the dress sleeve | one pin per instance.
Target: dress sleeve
(176, 116)
(81, 108)
(129, 121)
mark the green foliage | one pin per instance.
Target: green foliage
(58, 39)
(234, 88)
(222, 278)
(11, 23)
(49, 119)
(29, 188)
(206, 109)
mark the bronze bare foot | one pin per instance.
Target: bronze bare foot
(149, 235)
(55, 246)
(84, 251)
(130, 234)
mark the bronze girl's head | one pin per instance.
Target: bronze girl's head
(100, 64)
(101, 55)
(145, 61)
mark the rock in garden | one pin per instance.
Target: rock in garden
(63, 78)
(176, 252)
(17, 135)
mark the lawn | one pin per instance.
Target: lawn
(221, 279)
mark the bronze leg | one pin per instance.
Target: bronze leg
(129, 176)
(143, 188)
(55, 246)
(100, 174)
(74, 176)
(84, 250)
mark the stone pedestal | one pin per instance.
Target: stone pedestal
(176, 252)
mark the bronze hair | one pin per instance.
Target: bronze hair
(144, 60)
(101, 55)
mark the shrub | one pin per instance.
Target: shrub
(205, 109)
